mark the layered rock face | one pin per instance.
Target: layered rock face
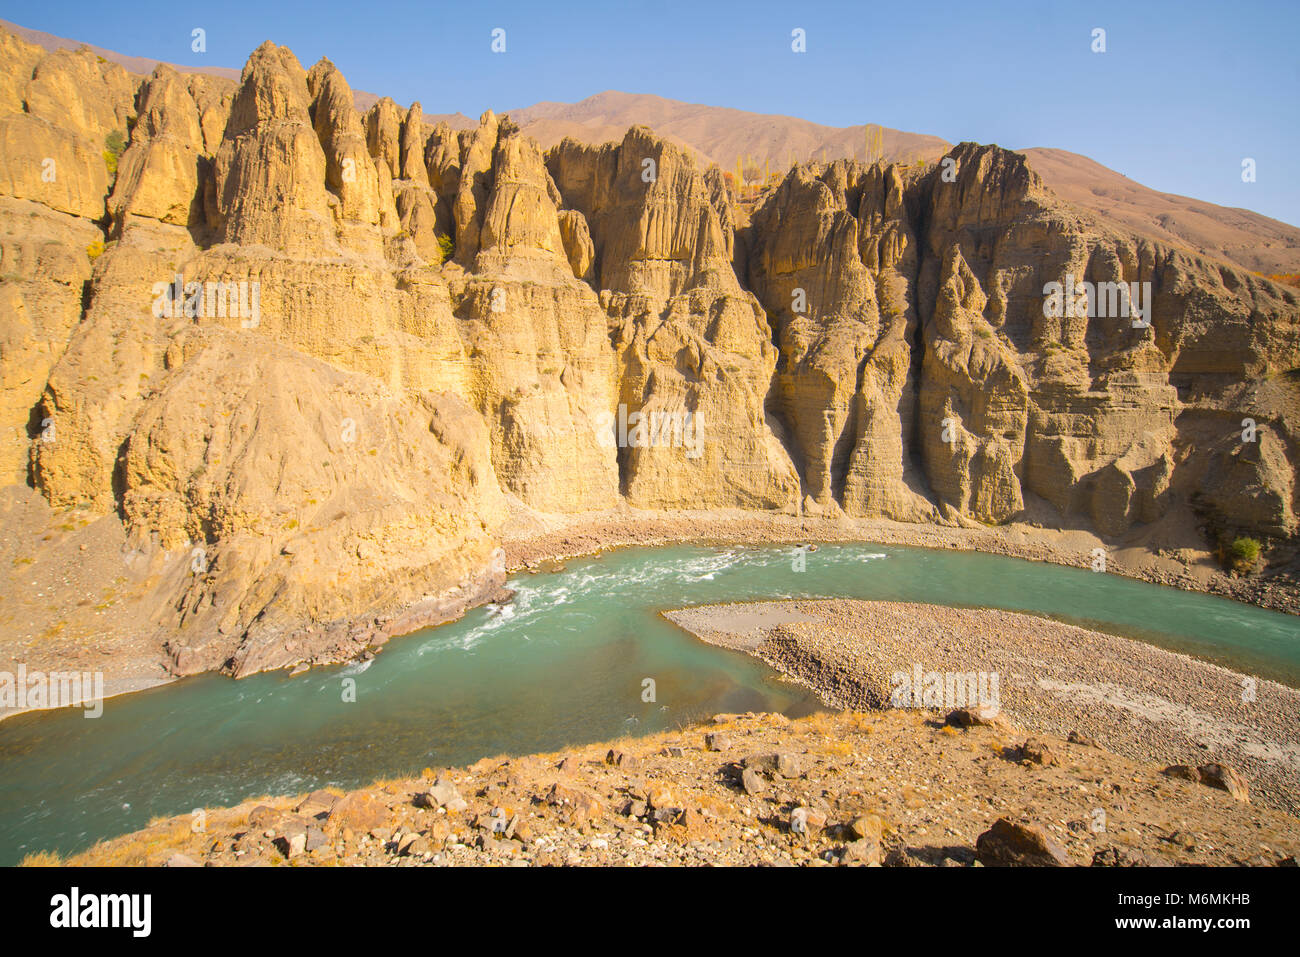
(834, 260)
(695, 358)
(542, 367)
(57, 111)
(925, 365)
(310, 359)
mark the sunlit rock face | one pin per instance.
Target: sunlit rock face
(334, 351)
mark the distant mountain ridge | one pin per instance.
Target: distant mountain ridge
(719, 134)
(723, 135)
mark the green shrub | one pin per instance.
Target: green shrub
(1243, 553)
(447, 246)
(114, 144)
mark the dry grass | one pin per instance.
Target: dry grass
(147, 848)
(836, 748)
(42, 859)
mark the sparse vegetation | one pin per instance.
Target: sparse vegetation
(446, 246)
(95, 250)
(1243, 554)
(42, 859)
(875, 144)
(114, 145)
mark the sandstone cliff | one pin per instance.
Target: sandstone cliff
(319, 356)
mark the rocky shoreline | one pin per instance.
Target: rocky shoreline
(1097, 750)
(893, 788)
(1146, 703)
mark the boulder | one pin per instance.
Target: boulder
(1018, 843)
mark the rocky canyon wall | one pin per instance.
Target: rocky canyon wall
(322, 355)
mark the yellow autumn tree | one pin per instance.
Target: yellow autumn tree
(875, 144)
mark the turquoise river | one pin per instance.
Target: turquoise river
(562, 665)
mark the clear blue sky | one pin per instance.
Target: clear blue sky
(1185, 91)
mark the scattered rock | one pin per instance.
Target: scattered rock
(1212, 775)
(1035, 751)
(1015, 843)
(864, 853)
(317, 804)
(752, 782)
(262, 817)
(292, 844)
(1225, 779)
(1119, 856)
(442, 795)
(866, 826)
(316, 839)
(620, 759)
(984, 715)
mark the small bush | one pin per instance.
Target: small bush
(114, 144)
(1243, 554)
(447, 246)
(95, 249)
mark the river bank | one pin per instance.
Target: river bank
(897, 788)
(1146, 703)
(114, 635)
(1162, 555)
